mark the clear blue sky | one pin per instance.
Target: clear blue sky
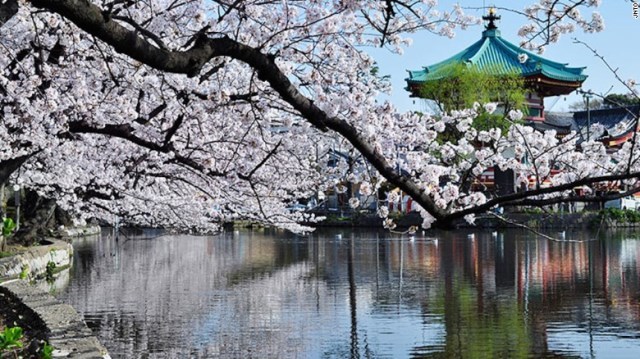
(619, 43)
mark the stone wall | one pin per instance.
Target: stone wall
(62, 326)
(33, 262)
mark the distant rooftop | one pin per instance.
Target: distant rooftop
(615, 124)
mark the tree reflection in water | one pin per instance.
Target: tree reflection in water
(271, 294)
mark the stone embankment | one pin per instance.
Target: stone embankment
(63, 326)
(33, 262)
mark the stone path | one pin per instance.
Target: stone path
(68, 333)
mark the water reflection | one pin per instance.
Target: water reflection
(368, 294)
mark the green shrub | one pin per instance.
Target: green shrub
(46, 352)
(24, 273)
(633, 216)
(621, 215)
(8, 226)
(10, 339)
(532, 210)
(51, 267)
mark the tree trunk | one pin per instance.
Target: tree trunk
(39, 223)
(38, 218)
(7, 167)
(42, 216)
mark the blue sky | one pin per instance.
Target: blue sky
(618, 43)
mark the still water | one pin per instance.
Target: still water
(362, 294)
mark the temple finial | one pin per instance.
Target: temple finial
(492, 17)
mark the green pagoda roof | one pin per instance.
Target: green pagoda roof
(494, 55)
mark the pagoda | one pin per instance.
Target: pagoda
(494, 55)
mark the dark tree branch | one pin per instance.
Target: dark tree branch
(155, 112)
(573, 199)
(8, 167)
(264, 160)
(141, 29)
(172, 131)
(126, 132)
(519, 197)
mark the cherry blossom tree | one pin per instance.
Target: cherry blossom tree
(189, 113)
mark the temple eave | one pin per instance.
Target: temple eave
(547, 86)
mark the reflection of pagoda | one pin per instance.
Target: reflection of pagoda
(493, 54)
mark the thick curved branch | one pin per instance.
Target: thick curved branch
(93, 20)
(89, 18)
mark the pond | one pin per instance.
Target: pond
(360, 294)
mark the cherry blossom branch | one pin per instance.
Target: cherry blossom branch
(631, 90)
(126, 132)
(291, 81)
(515, 198)
(89, 18)
(573, 199)
(538, 233)
(520, 225)
(264, 160)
